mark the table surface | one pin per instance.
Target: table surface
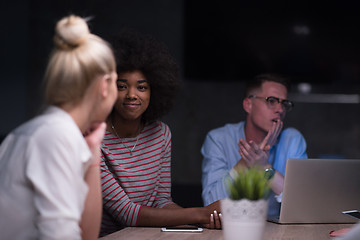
(272, 231)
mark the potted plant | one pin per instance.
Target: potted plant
(244, 211)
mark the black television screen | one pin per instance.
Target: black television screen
(307, 41)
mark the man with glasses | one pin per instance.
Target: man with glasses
(258, 141)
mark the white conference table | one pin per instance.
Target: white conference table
(273, 231)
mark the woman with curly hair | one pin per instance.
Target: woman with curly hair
(136, 150)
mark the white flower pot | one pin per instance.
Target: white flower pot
(243, 219)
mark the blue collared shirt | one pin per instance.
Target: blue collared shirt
(221, 152)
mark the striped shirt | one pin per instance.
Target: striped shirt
(130, 181)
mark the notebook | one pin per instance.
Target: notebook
(319, 190)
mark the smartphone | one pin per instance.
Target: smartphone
(190, 229)
(353, 213)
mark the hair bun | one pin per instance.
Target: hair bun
(71, 32)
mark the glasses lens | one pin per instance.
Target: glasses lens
(272, 101)
(288, 105)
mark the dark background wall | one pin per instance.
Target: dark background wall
(218, 45)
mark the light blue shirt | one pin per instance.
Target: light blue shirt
(221, 152)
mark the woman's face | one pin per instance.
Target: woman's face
(133, 95)
(112, 92)
(101, 109)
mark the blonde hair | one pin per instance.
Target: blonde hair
(77, 58)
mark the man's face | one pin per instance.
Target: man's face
(260, 114)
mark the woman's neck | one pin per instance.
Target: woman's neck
(79, 115)
(125, 128)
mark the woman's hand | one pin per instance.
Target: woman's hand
(91, 216)
(215, 220)
(339, 233)
(93, 138)
(215, 216)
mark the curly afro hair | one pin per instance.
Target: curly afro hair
(136, 51)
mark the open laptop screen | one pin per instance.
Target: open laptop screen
(319, 190)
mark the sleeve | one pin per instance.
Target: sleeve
(214, 170)
(115, 200)
(294, 142)
(298, 145)
(164, 192)
(59, 186)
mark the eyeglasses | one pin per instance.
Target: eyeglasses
(273, 101)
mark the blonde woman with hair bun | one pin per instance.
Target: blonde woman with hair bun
(49, 166)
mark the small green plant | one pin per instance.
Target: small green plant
(251, 184)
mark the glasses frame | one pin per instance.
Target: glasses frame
(285, 103)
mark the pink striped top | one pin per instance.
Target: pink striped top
(129, 182)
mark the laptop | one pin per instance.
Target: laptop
(319, 190)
